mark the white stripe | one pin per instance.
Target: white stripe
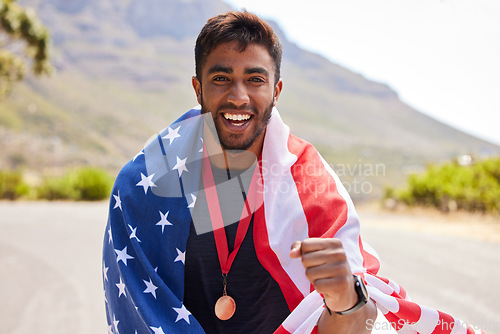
(369, 249)
(381, 325)
(429, 319)
(282, 203)
(406, 329)
(459, 327)
(395, 286)
(306, 315)
(308, 324)
(379, 284)
(384, 302)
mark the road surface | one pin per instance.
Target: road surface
(50, 255)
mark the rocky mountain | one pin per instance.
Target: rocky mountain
(123, 72)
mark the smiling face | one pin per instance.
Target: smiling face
(238, 89)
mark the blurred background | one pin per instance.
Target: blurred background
(399, 97)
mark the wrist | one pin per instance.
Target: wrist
(360, 298)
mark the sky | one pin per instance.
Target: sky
(441, 56)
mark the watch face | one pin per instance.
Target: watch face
(362, 287)
(362, 293)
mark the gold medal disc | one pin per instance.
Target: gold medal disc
(225, 307)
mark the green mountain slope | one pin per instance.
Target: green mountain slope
(124, 72)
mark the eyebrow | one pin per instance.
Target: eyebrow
(259, 70)
(229, 70)
(220, 68)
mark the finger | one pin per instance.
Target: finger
(318, 244)
(335, 256)
(332, 285)
(327, 271)
(296, 250)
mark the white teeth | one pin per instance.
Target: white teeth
(239, 117)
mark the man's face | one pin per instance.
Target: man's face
(238, 89)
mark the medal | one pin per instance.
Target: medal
(226, 305)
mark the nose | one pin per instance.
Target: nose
(238, 94)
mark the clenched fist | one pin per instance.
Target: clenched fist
(326, 266)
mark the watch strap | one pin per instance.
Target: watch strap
(362, 297)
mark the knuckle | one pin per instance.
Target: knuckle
(306, 258)
(336, 270)
(306, 244)
(335, 242)
(337, 255)
(310, 273)
(320, 285)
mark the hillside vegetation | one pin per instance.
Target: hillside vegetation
(452, 186)
(80, 184)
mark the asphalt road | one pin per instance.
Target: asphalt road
(50, 260)
(451, 272)
(50, 255)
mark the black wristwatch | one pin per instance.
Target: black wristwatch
(362, 293)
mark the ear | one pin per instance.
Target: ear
(277, 92)
(197, 88)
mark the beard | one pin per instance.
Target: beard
(239, 141)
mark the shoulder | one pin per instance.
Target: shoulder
(303, 150)
(132, 176)
(158, 157)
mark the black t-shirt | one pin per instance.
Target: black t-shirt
(260, 304)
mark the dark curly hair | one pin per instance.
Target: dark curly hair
(243, 27)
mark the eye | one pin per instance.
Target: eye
(220, 78)
(257, 80)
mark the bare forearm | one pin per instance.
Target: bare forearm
(355, 323)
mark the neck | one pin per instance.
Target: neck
(240, 160)
(233, 159)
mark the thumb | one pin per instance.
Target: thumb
(296, 250)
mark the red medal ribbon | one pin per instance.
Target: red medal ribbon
(226, 259)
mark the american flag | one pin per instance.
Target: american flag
(149, 222)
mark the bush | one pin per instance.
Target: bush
(472, 188)
(54, 188)
(91, 184)
(83, 184)
(12, 185)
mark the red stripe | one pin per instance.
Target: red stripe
(396, 295)
(281, 330)
(445, 324)
(470, 330)
(395, 322)
(402, 292)
(270, 261)
(409, 311)
(370, 262)
(324, 208)
(383, 279)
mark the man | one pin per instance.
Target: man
(227, 223)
